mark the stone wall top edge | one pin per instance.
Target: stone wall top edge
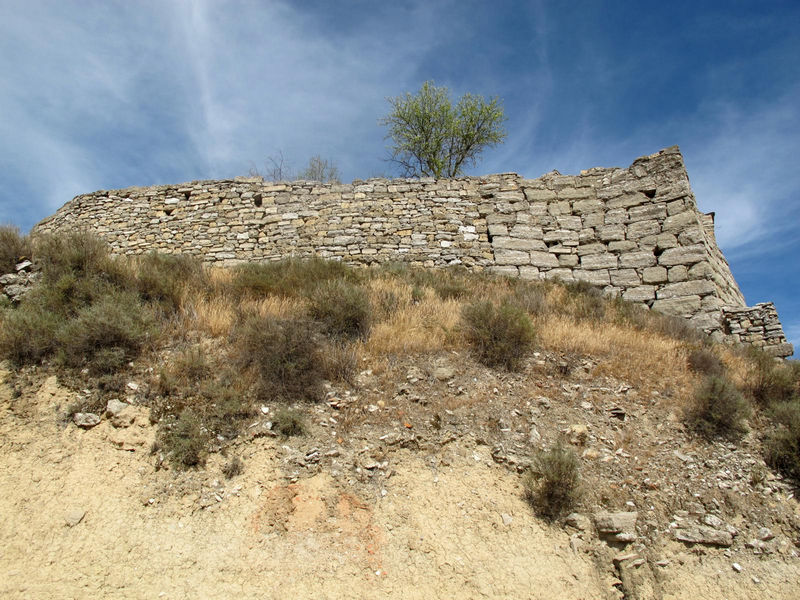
(260, 181)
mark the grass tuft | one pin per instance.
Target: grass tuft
(500, 336)
(283, 355)
(342, 309)
(13, 248)
(289, 422)
(552, 485)
(718, 409)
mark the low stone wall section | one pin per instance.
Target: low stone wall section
(636, 232)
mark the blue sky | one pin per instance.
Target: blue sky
(104, 94)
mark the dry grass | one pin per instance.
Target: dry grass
(638, 357)
(429, 326)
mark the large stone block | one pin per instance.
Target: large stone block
(570, 222)
(678, 273)
(526, 231)
(625, 278)
(647, 213)
(643, 228)
(681, 307)
(511, 243)
(599, 261)
(611, 232)
(621, 246)
(599, 277)
(698, 287)
(567, 260)
(636, 260)
(562, 274)
(683, 255)
(654, 275)
(679, 222)
(581, 207)
(529, 273)
(543, 260)
(595, 248)
(513, 257)
(561, 235)
(616, 216)
(575, 193)
(641, 293)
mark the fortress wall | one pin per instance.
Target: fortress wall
(636, 232)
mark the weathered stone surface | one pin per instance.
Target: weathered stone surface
(543, 259)
(680, 307)
(625, 278)
(513, 257)
(702, 534)
(654, 275)
(634, 260)
(619, 526)
(642, 229)
(511, 243)
(599, 261)
(598, 277)
(642, 293)
(85, 420)
(699, 287)
(682, 256)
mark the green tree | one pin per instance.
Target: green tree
(432, 137)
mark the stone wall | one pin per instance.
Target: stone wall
(757, 325)
(636, 232)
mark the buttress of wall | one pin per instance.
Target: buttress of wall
(636, 231)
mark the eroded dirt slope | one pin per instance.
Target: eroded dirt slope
(86, 514)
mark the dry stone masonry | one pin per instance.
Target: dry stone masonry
(635, 232)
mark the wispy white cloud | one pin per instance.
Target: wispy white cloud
(743, 165)
(112, 95)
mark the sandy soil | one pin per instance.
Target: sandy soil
(85, 514)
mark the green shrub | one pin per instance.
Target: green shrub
(771, 381)
(184, 440)
(192, 365)
(163, 278)
(80, 254)
(676, 328)
(289, 422)
(13, 248)
(225, 408)
(531, 297)
(342, 309)
(339, 361)
(702, 360)
(117, 321)
(233, 467)
(585, 301)
(782, 446)
(283, 355)
(108, 360)
(718, 409)
(552, 485)
(630, 314)
(500, 336)
(28, 334)
(289, 277)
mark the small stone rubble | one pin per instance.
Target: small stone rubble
(15, 285)
(636, 232)
(757, 326)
